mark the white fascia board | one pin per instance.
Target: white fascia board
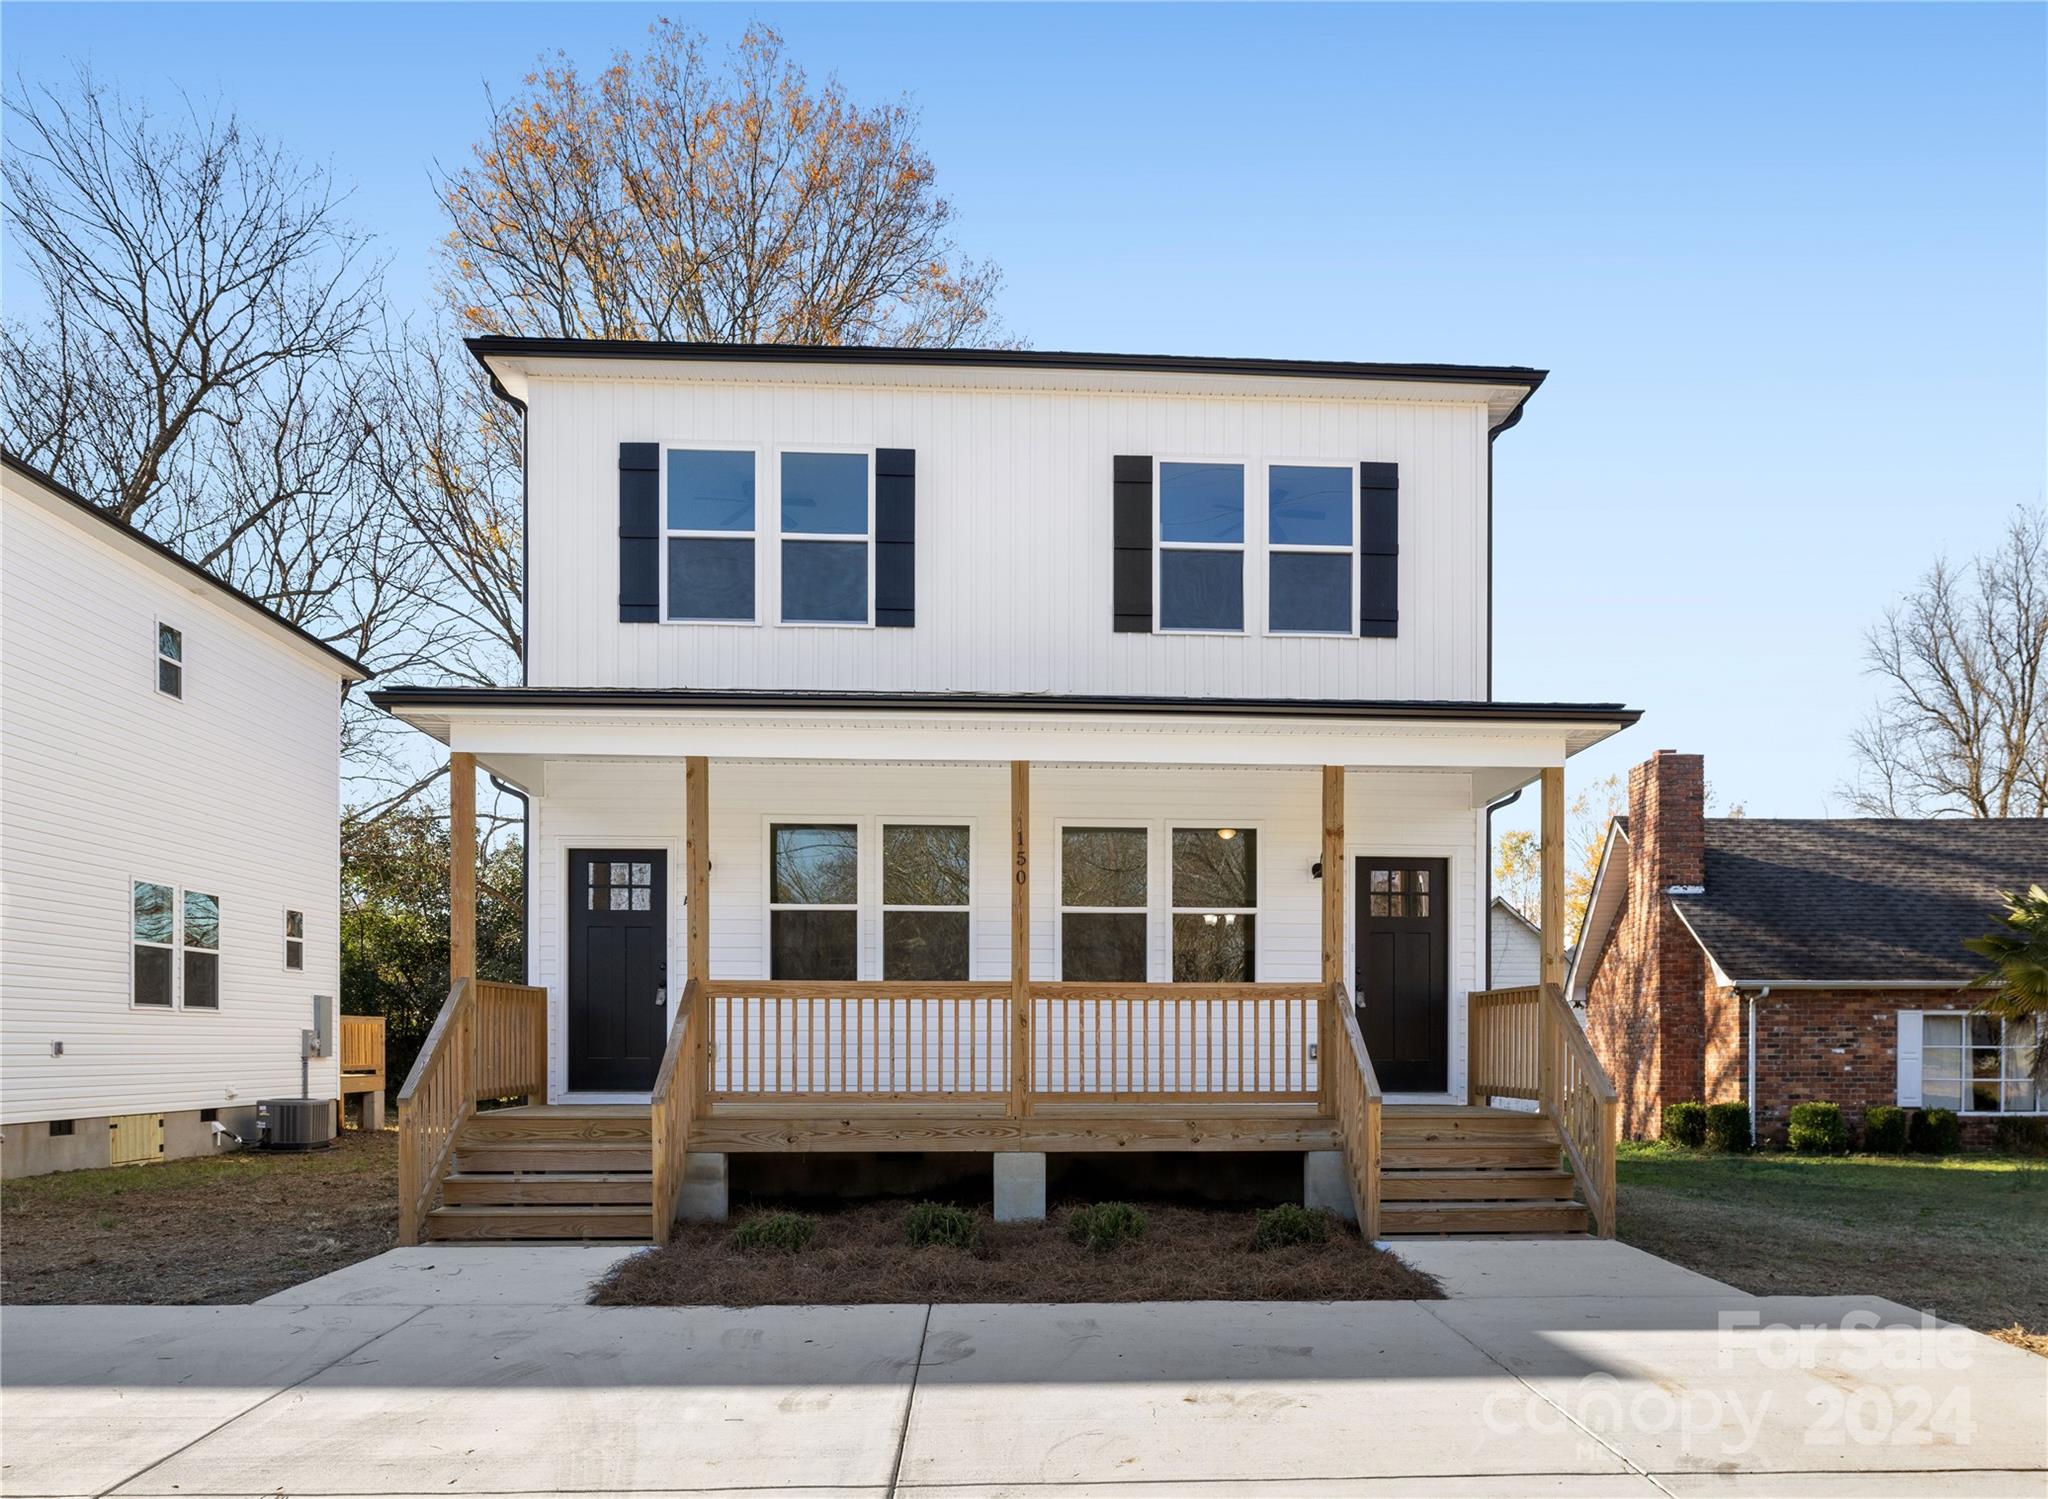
(1600, 908)
(1050, 738)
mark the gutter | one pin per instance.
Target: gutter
(1749, 1089)
(525, 871)
(1513, 796)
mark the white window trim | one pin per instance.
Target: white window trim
(868, 907)
(1161, 546)
(881, 888)
(173, 946)
(1272, 548)
(1258, 893)
(755, 535)
(219, 950)
(1060, 908)
(2041, 1032)
(866, 538)
(286, 939)
(1159, 909)
(862, 965)
(157, 658)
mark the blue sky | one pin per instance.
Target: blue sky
(1787, 265)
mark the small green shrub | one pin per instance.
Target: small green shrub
(2015, 1136)
(1884, 1129)
(1106, 1225)
(1935, 1132)
(1288, 1225)
(940, 1224)
(1728, 1127)
(1685, 1124)
(773, 1233)
(1817, 1129)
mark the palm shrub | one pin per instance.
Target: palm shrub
(1935, 1132)
(1287, 1225)
(1884, 1129)
(1817, 1129)
(1106, 1225)
(773, 1233)
(2016, 988)
(1728, 1127)
(1685, 1124)
(939, 1224)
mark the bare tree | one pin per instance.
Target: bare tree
(671, 198)
(1960, 729)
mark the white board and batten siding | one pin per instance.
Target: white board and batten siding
(621, 804)
(232, 790)
(1014, 537)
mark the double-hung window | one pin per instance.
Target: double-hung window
(1978, 1064)
(170, 661)
(155, 934)
(814, 901)
(1215, 905)
(202, 951)
(925, 901)
(295, 941)
(827, 538)
(1103, 905)
(175, 947)
(1311, 562)
(710, 527)
(1201, 546)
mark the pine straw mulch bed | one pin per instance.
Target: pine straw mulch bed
(858, 1257)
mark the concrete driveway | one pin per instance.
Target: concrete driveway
(1552, 1369)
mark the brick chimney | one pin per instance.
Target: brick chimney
(1646, 1011)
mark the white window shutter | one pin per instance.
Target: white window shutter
(1909, 1059)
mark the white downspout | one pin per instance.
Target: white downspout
(1750, 1088)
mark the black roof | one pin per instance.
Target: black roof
(1857, 900)
(107, 518)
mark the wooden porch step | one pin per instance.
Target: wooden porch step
(551, 1156)
(1463, 1217)
(1528, 1154)
(582, 1188)
(1470, 1184)
(1487, 1127)
(540, 1222)
(575, 1125)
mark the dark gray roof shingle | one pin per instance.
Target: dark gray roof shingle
(1858, 899)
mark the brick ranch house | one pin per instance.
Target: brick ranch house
(1783, 961)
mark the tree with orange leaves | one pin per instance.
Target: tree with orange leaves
(674, 198)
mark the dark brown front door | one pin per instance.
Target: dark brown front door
(1403, 990)
(618, 969)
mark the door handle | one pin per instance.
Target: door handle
(661, 995)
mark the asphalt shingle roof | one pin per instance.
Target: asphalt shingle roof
(1858, 899)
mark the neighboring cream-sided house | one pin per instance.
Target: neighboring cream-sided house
(1516, 944)
(1010, 752)
(169, 834)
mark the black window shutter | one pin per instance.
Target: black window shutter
(639, 533)
(1379, 548)
(895, 538)
(1133, 576)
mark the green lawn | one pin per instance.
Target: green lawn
(1965, 1237)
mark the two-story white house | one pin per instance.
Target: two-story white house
(170, 869)
(1003, 751)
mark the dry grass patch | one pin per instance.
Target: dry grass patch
(860, 1256)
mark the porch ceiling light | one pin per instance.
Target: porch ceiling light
(1226, 832)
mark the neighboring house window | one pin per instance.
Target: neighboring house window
(1977, 1064)
(925, 901)
(1311, 528)
(827, 523)
(1215, 905)
(710, 526)
(1103, 905)
(814, 901)
(170, 661)
(202, 951)
(295, 940)
(155, 943)
(1201, 546)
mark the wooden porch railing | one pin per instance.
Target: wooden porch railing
(1163, 1043)
(1526, 1043)
(489, 1041)
(679, 1098)
(1354, 1095)
(362, 1047)
(857, 1042)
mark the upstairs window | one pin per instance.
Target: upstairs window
(814, 901)
(170, 661)
(1311, 530)
(1201, 546)
(827, 530)
(710, 530)
(294, 941)
(1103, 905)
(925, 911)
(1215, 905)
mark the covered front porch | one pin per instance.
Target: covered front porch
(1242, 879)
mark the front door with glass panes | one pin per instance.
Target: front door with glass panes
(1403, 972)
(618, 969)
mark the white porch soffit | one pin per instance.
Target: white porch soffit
(1520, 739)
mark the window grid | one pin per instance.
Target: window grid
(1348, 625)
(1973, 1063)
(672, 533)
(1159, 569)
(865, 539)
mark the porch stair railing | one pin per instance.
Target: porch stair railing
(489, 1041)
(1354, 1097)
(681, 1095)
(1525, 1043)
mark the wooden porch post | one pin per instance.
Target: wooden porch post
(697, 913)
(461, 867)
(1020, 937)
(1331, 1030)
(1551, 971)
